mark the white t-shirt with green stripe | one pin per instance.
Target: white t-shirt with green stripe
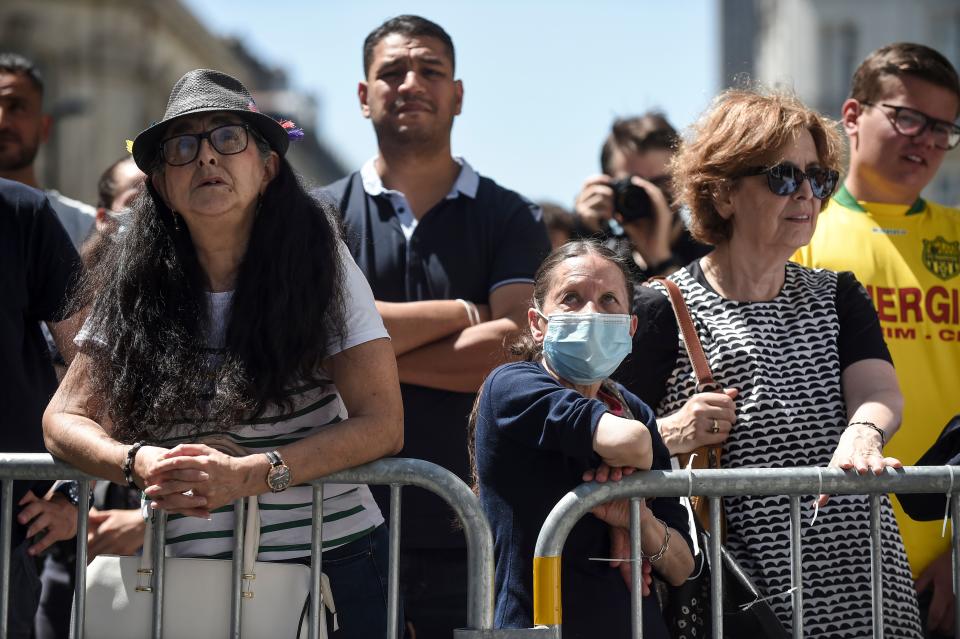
(349, 511)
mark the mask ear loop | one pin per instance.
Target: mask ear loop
(946, 510)
(816, 501)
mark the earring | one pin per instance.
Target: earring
(176, 219)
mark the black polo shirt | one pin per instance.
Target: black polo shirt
(480, 237)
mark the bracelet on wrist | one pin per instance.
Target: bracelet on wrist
(128, 465)
(883, 439)
(657, 556)
(473, 315)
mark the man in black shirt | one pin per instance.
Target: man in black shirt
(450, 256)
(38, 264)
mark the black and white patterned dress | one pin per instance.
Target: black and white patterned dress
(784, 357)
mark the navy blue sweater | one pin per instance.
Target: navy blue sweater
(534, 440)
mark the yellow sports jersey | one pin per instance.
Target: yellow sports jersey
(908, 258)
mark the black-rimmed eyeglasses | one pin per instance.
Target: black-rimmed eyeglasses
(785, 179)
(228, 139)
(911, 123)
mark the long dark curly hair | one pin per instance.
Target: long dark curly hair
(150, 366)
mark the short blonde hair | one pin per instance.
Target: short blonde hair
(738, 132)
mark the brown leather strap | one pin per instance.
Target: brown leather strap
(691, 341)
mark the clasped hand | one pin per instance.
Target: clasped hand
(190, 479)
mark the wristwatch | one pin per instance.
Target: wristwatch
(278, 477)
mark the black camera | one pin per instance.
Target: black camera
(631, 201)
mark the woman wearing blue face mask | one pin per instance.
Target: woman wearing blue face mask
(545, 424)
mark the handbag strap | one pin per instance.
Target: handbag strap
(251, 533)
(691, 340)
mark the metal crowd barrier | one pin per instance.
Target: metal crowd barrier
(397, 472)
(794, 482)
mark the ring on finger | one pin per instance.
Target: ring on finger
(715, 428)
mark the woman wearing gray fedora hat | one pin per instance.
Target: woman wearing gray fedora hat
(230, 308)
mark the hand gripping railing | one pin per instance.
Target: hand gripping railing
(795, 482)
(396, 472)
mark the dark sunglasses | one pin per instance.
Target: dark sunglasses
(228, 139)
(911, 123)
(785, 179)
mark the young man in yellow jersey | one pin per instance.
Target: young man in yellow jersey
(901, 121)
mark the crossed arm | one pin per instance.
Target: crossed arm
(436, 346)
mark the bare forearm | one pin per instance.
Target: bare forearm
(350, 443)
(676, 564)
(883, 409)
(460, 362)
(82, 443)
(415, 324)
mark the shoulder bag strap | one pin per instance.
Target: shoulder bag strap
(691, 341)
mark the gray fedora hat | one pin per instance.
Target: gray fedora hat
(204, 90)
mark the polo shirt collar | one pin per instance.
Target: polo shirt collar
(467, 182)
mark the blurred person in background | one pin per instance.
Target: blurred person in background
(901, 120)
(805, 376)
(560, 223)
(24, 126)
(629, 205)
(450, 256)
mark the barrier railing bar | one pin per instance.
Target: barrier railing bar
(6, 536)
(796, 572)
(876, 566)
(423, 474)
(80, 581)
(159, 554)
(316, 563)
(239, 515)
(393, 572)
(636, 571)
(716, 571)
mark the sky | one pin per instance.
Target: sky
(543, 80)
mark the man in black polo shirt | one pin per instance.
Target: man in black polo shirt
(450, 256)
(38, 264)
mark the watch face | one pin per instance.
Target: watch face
(278, 478)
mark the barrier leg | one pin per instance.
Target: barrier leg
(316, 561)
(796, 569)
(159, 555)
(876, 572)
(80, 581)
(239, 517)
(393, 574)
(636, 571)
(6, 536)
(955, 529)
(716, 568)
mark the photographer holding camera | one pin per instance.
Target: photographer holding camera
(628, 206)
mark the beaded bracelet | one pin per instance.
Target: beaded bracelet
(883, 440)
(654, 558)
(128, 465)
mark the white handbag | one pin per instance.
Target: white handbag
(275, 597)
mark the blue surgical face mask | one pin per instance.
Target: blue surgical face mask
(585, 348)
